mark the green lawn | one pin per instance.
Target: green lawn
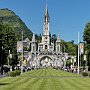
(45, 79)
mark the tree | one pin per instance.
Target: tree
(69, 47)
(54, 38)
(68, 63)
(86, 38)
(8, 42)
(38, 38)
(86, 35)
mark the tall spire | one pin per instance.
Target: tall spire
(46, 10)
(46, 17)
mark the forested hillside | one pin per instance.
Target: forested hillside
(9, 17)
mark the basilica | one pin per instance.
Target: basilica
(44, 54)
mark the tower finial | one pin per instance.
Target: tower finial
(46, 6)
(46, 10)
(33, 38)
(46, 17)
(58, 37)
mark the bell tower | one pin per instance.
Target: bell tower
(46, 22)
(46, 32)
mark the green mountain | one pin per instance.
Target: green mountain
(9, 17)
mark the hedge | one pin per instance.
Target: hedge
(14, 73)
(85, 74)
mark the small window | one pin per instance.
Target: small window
(45, 46)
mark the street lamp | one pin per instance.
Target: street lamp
(10, 56)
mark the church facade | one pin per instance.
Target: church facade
(44, 54)
(45, 44)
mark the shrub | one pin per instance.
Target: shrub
(89, 74)
(18, 72)
(14, 73)
(85, 74)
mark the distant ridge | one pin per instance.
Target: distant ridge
(9, 17)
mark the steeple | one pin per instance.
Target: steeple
(58, 38)
(46, 28)
(46, 17)
(33, 38)
(46, 13)
(33, 44)
(46, 23)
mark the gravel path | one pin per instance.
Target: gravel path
(3, 76)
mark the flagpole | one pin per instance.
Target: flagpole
(78, 52)
(22, 55)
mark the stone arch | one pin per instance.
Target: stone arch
(49, 56)
(46, 60)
